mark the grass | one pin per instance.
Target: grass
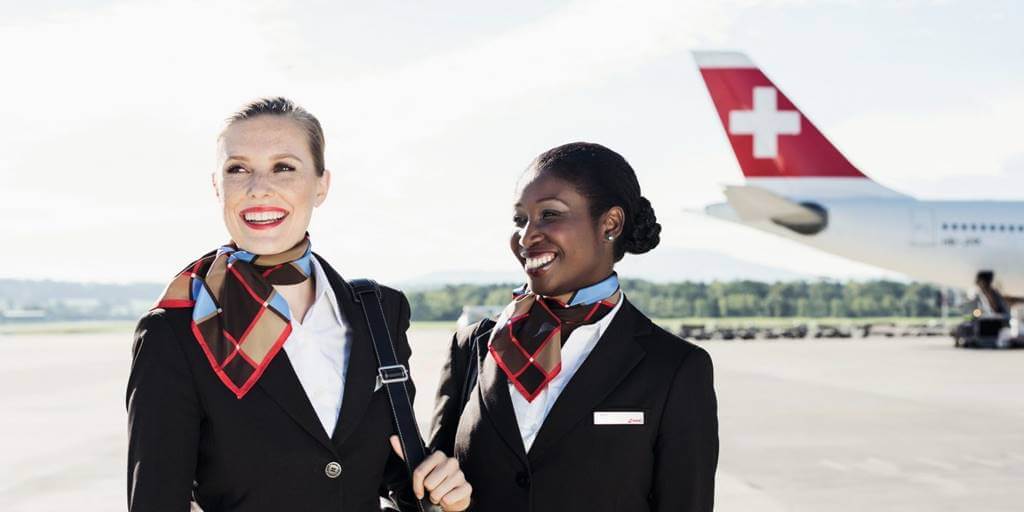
(672, 324)
(434, 324)
(128, 326)
(78, 327)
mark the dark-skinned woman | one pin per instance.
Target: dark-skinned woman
(574, 399)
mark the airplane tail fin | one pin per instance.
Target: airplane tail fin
(776, 145)
(770, 136)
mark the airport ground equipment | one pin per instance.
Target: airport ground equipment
(983, 332)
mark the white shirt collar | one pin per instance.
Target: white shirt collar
(323, 287)
(602, 324)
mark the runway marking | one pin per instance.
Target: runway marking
(831, 464)
(938, 464)
(947, 486)
(880, 467)
(734, 493)
(985, 462)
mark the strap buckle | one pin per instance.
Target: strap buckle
(392, 374)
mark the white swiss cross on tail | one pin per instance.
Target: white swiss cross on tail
(766, 122)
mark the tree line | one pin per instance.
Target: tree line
(877, 298)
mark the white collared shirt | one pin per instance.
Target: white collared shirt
(319, 349)
(531, 415)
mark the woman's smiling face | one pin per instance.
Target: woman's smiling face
(267, 183)
(556, 240)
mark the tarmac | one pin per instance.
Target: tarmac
(880, 424)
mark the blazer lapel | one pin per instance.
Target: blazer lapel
(614, 356)
(282, 384)
(493, 390)
(362, 362)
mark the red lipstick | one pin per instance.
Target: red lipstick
(263, 217)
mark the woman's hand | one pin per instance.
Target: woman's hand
(440, 476)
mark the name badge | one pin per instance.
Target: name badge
(618, 417)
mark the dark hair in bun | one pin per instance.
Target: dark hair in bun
(606, 180)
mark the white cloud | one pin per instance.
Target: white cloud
(925, 153)
(112, 112)
(121, 105)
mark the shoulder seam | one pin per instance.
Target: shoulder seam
(181, 350)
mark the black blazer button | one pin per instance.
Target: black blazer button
(333, 470)
(522, 479)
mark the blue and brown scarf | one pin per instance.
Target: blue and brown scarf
(240, 321)
(527, 344)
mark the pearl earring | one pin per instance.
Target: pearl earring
(610, 238)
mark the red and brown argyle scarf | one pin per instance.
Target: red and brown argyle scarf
(528, 345)
(240, 321)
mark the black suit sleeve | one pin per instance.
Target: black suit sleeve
(164, 416)
(686, 453)
(447, 408)
(397, 486)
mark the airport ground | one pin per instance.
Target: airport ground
(881, 424)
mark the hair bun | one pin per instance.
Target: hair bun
(645, 233)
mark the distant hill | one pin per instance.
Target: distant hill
(676, 264)
(663, 265)
(29, 291)
(447, 277)
(25, 300)
(22, 299)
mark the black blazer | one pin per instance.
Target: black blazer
(190, 438)
(666, 464)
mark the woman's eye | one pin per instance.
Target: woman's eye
(234, 169)
(549, 214)
(283, 168)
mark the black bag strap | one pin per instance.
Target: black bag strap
(476, 351)
(393, 376)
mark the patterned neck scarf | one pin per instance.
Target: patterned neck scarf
(528, 343)
(240, 321)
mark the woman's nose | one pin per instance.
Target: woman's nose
(529, 235)
(259, 186)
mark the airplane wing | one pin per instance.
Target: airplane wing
(755, 203)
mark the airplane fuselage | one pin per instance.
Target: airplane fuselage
(943, 242)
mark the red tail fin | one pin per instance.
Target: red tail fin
(770, 136)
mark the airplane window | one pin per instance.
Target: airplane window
(991, 227)
(1002, 227)
(963, 227)
(974, 227)
(945, 226)
(983, 227)
(954, 226)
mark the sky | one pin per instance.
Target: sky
(432, 109)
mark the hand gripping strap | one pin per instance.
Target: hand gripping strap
(393, 377)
